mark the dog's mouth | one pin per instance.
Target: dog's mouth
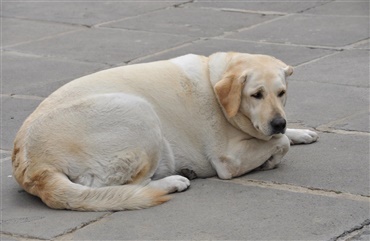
(270, 131)
(277, 132)
(277, 135)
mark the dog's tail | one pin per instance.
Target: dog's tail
(57, 191)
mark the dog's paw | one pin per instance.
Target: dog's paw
(179, 183)
(304, 136)
(175, 183)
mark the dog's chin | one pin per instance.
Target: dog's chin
(278, 135)
(263, 131)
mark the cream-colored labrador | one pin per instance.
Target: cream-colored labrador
(118, 139)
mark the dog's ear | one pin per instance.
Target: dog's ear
(288, 70)
(228, 91)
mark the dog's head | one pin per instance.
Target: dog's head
(251, 90)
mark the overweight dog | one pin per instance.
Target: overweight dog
(118, 139)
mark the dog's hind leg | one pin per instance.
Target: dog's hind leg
(163, 178)
(166, 166)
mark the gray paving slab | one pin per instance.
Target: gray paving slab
(26, 215)
(316, 30)
(39, 76)
(15, 31)
(290, 6)
(216, 210)
(336, 162)
(195, 22)
(293, 55)
(107, 46)
(315, 104)
(350, 67)
(14, 111)
(80, 12)
(347, 8)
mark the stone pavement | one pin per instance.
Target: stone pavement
(320, 191)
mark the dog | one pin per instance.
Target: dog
(119, 139)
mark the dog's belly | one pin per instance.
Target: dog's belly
(191, 155)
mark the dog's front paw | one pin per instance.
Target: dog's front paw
(304, 136)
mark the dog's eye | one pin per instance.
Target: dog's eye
(257, 95)
(281, 93)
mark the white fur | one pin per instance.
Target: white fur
(298, 136)
(174, 183)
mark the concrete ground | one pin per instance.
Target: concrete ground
(320, 191)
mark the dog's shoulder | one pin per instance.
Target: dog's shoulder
(194, 66)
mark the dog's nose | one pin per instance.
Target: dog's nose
(278, 125)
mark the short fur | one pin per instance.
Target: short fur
(117, 139)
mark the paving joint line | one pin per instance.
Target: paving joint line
(317, 59)
(142, 30)
(342, 132)
(72, 230)
(43, 38)
(23, 237)
(100, 25)
(328, 127)
(180, 5)
(297, 189)
(46, 21)
(24, 97)
(237, 10)
(315, 6)
(349, 234)
(352, 46)
(284, 44)
(332, 15)
(255, 25)
(136, 60)
(59, 237)
(329, 83)
(54, 57)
